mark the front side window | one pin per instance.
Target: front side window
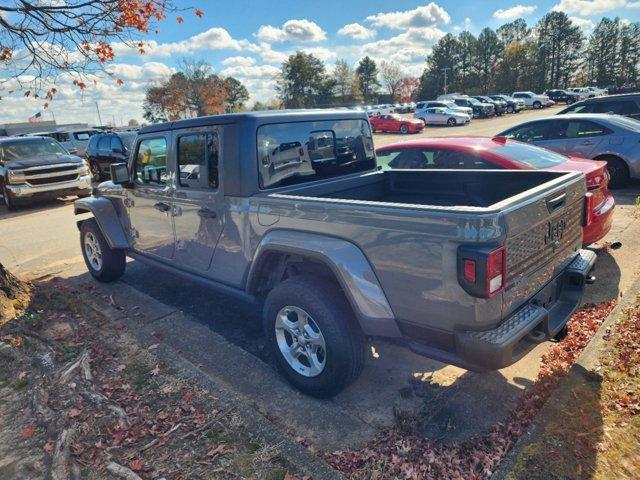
(580, 108)
(532, 132)
(151, 162)
(198, 160)
(292, 153)
(627, 107)
(116, 144)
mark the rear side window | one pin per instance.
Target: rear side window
(82, 136)
(151, 162)
(584, 128)
(626, 107)
(293, 153)
(198, 160)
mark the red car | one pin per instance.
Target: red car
(498, 153)
(395, 123)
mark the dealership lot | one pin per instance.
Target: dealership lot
(396, 383)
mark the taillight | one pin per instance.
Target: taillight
(589, 207)
(496, 263)
(594, 182)
(482, 272)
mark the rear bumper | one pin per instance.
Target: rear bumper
(80, 185)
(541, 318)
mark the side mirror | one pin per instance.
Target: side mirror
(117, 150)
(73, 151)
(120, 174)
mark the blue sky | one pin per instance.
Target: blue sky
(249, 40)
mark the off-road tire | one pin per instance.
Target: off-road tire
(113, 260)
(617, 170)
(345, 343)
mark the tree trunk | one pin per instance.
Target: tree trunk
(14, 295)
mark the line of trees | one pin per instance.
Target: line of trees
(555, 53)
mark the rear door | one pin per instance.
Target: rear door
(582, 137)
(149, 201)
(198, 199)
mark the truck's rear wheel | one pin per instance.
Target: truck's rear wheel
(313, 335)
(104, 263)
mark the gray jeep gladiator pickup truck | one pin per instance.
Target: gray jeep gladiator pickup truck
(288, 209)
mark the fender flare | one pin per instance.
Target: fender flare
(106, 216)
(350, 267)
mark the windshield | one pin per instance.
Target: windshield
(37, 147)
(533, 156)
(292, 153)
(127, 139)
(473, 101)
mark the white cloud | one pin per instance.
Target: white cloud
(250, 71)
(322, 53)
(215, 38)
(269, 55)
(584, 23)
(147, 71)
(426, 16)
(410, 46)
(301, 30)
(357, 31)
(514, 12)
(238, 61)
(590, 7)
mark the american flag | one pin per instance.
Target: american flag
(36, 117)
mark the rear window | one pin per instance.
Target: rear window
(82, 135)
(530, 155)
(294, 153)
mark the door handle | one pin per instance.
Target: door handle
(163, 207)
(206, 213)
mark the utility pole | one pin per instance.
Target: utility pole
(445, 78)
(99, 117)
(53, 116)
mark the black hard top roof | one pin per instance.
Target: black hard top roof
(28, 138)
(258, 118)
(606, 98)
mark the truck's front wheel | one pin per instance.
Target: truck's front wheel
(104, 263)
(313, 335)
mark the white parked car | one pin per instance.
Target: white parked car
(422, 106)
(385, 109)
(532, 100)
(583, 93)
(443, 116)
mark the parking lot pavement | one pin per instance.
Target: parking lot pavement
(486, 127)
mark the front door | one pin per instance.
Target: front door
(198, 200)
(149, 202)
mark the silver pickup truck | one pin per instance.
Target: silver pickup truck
(288, 209)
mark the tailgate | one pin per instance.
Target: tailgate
(544, 233)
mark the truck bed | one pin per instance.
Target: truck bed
(440, 188)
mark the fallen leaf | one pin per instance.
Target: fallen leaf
(74, 412)
(120, 368)
(167, 389)
(27, 432)
(155, 371)
(136, 465)
(48, 447)
(154, 346)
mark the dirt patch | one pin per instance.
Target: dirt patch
(14, 295)
(81, 399)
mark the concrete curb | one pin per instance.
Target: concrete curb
(585, 362)
(257, 426)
